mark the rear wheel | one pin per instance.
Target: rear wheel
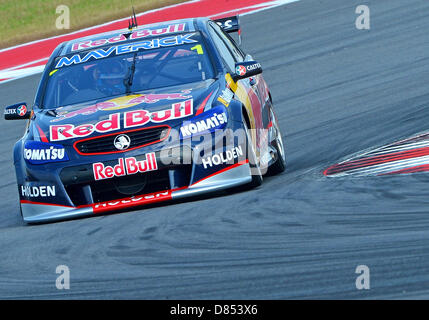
(20, 211)
(251, 156)
(280, 164)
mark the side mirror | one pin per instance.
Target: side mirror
(17, 112)
(247, 69)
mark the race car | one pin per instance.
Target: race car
(143, 115)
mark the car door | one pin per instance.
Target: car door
(252, 91)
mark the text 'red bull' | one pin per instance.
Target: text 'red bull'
(135, 35)
(125, 167)
(135, 118)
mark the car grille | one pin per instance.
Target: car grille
(84, 193)
(113, 189)
(138, 138)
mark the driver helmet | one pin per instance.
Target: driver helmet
(110, 77)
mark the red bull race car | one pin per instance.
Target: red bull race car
(147, 114)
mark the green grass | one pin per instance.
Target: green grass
(26, 20)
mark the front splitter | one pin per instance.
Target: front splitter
(232, 176)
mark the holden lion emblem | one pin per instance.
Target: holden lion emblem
(122, 142)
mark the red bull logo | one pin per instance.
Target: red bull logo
(174, 28)
(122, 103)
(131, 119)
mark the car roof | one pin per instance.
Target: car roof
(118, 36)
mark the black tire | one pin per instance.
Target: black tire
(20, 211)
(254, 166)
(280, 164)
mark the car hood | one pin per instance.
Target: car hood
(169, 106)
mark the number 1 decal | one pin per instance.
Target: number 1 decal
(199, 49)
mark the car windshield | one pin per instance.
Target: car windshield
(108, 72)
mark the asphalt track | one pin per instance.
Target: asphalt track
(337, 90)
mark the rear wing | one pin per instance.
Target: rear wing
(229, 25)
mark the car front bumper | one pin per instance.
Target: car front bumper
(231, 176)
